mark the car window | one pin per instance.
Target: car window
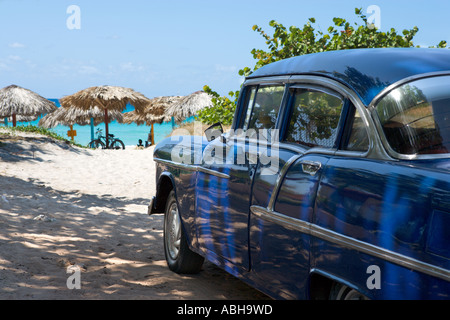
(266, 105)
(251, 93)
(314, 118)
(416, 117)
(357, 138)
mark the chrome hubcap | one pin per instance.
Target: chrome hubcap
(173, 229)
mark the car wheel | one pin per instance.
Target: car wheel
(343, 292)
(179, 257)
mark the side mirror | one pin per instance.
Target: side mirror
(214, 131)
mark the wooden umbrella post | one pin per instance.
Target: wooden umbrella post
(92, 129)
(14, 119)
(106, 128)
(152, 133)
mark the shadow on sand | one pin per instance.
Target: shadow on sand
(11, 151)
(116, 246)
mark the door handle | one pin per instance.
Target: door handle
(251, 172)
(311, 167)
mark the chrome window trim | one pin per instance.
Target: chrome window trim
(279, 180)
(294, 147)
(191, 167)
(381, 95)
(322, 151)
(349, 242)
(275, 80)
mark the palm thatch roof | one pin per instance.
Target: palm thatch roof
(189, 105)
(70, 116)
(24, 118)
(15, 100)
(154, 112)
(105, 97)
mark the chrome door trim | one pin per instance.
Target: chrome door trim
(177, 165)
(213, 172)
(191, 167)
(349, 242)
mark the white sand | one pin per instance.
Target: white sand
(62, 206)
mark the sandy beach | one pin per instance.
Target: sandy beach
(64, 207)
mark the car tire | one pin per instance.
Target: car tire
(179, 257)
(342, 292)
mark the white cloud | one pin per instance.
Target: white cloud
(222, 68)
(14, 58)
(88, 70)
(16, 45)
(131, 67)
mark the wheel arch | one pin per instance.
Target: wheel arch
(164, 186)
(321, 284)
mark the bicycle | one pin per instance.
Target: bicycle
(101, 142)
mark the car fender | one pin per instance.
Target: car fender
(164, 185)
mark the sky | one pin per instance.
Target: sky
(170, 47)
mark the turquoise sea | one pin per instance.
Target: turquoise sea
(128, 133)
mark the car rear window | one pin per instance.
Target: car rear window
(415, 117)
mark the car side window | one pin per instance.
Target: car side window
(314, 118)
(264, 111)
(355, 137)
(415, 117)
(251, 93)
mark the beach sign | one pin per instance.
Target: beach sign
(71, 133)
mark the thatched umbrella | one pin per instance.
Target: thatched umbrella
(189, 105)
(20, 118)
(153, 113)
(107, 98)
(70, 116)
(15, 101)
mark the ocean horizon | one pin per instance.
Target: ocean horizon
(128, 133)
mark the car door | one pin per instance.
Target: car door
(224, 182)
(283, 205)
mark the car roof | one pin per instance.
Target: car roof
(366, 71)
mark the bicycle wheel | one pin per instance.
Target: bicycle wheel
(96, 144)
(117, 144)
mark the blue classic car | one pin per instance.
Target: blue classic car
(333, 182)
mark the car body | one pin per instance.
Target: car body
(334, 180)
